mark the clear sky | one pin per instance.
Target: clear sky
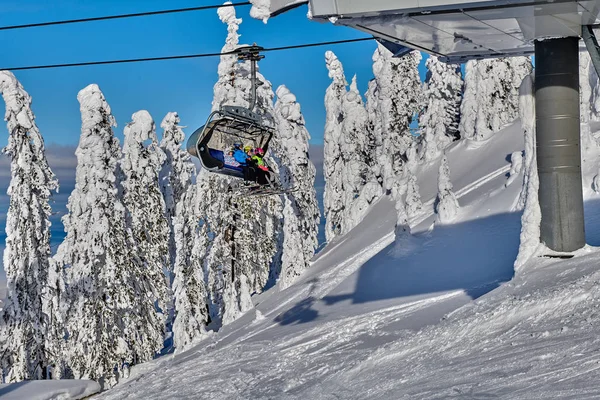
(184, 86)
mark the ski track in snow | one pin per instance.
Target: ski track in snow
(329, 336)
(428, 205)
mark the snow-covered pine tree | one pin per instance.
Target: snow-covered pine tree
(30, 315)
(188, 285)
(141, 163)
(333, 163)
(258, 235)
(245, 233)
(97, 252)
(413, 197)
(374, 130)
(176, 177)
(301, 210)
(359, 183)
(399, 95)
(447, 205)
(177, 174)
(442, 95)
(491, 97)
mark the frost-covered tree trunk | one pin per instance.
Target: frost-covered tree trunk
(491, 97)
(301, 211)
(333, 163)
(30, 316)
(442, 95)
(97, 252)
(143, 200)
(447, 205)
(399, 95)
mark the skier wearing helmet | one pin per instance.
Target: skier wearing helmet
(242, 158)
(259, 154)
(239, 154)
(263, 173)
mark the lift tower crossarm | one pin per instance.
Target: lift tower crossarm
(591, 43)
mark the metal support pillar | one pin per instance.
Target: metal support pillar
(558, 143)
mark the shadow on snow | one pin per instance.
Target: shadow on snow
(474, 256)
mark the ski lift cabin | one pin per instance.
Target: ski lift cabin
(457, 31)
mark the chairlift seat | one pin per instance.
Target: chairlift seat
(212, 141)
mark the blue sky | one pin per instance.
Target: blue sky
(184, 86)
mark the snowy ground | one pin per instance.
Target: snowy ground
(42, 390)
(425, 317)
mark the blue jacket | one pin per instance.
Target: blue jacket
(240, 156)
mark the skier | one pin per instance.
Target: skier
(263, 173)
(239, 154)
(242, 158)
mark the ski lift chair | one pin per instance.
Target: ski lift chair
(213, 142)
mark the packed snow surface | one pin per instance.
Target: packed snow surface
(436, 315)
(49, 390)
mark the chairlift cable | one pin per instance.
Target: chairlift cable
(179, 57)
(121, 16)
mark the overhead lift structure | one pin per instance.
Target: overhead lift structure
(457, 31)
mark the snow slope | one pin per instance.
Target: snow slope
(428, 316)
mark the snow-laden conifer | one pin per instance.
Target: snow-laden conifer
(177, 173)
(399, 95)
(374, 130)
(245, 234)
(258, 235)
(491, 97)
(216, 210)
(97, 252)
(442, 95)
(413, 197)
(176, 178)
(31, 318)
(188, 286)
(359, 182)
(333, 162)
(447, 205)
(141, 163)
(301, 211)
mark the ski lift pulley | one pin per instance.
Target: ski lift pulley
(212, 142)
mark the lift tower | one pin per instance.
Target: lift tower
(460, 30)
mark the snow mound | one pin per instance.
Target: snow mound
(49, 390)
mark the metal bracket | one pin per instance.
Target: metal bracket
(241, 112)
(396, 49)
(252, 54)
(589, 38)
